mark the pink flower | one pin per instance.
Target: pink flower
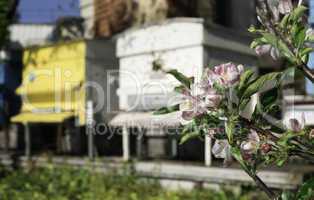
(267, 49)
(251, 145)
(227, 74)
(212, 99)
(296, 125)
(197, 101)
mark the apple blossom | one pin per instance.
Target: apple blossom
(251, 145)
(296, 125)
(221, 149)
(226, 75)
(267, 49)
(197, 101)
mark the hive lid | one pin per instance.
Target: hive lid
(146, 120)
(178, 33)
(42, 117)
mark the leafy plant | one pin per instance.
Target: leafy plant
(54, 183)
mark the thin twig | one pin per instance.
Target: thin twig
(266, 133)
(309, 73)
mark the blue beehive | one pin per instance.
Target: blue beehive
(309, 84)
(10, 79)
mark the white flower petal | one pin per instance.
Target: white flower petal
(220, 149)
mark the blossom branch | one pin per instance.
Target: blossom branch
(266, 16)
(263, 186)
(266, 133)
(309, 73)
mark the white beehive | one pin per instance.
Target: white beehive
(183, 44)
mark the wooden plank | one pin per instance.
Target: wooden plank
(126, 143)
(6, 130)
(90, 132)
(27, 141)
(276, 179)
(289, 178)
(208, 151)
(60, 148)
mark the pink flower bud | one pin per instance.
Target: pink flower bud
(296, 125)
(250, 146)
(266, 148)
(262, 49)
(267, 49)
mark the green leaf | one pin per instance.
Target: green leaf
(288, 74)
(230, 126)
(269, 97)
(180, 89)
(306, 51)
(244, 81)
(277, 127)
(284, 21)
(271, 39)
(189, 136)
(244, 103)
(186, 81)
(259, 84)
(299, 37)
(245, 78)
(166, 110)
(280, 45)
(281, 161)
(252, 29)
(285, 51)
(298, 13)
(306, 191)
(254, 44)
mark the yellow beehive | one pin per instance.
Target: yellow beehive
(53, 82)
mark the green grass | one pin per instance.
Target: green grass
(69, 184)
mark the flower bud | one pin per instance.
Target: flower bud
(296, 125)
(265, 148)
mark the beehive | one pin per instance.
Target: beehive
(58, 81)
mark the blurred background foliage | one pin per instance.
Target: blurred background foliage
(7, 15)
(77, 184)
